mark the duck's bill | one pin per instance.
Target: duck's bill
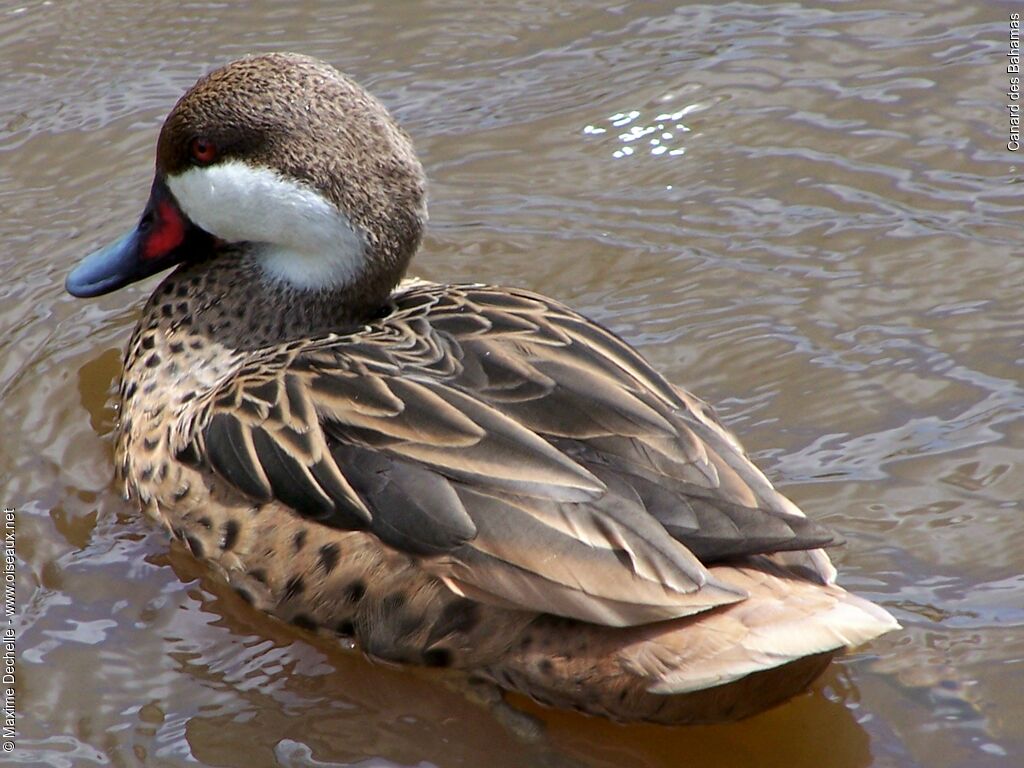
(163, 238)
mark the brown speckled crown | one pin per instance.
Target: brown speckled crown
(303, 118)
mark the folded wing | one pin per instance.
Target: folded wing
(528, 455)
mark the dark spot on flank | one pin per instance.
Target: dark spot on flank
(177, 347)
(196, 344)
(130, 390)
(457, 616)
(146, 473)
(345, 628)
(354, 592)
(438, 657)
(166, 310)
(196, 546)
(302, 621)
(150, 443)
(148, 342)
(182, 307)
(245, 594)
(299, 540)
(259, 574)
(392, 603)
(294, 587)
(182, 290)
(230, 534)
(329, 556)
(559, 622)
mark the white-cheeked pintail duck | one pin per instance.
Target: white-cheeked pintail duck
(462, 476)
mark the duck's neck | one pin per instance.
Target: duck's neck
(230, 299)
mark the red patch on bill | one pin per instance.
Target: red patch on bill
(167, 234)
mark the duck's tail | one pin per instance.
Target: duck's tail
(723, 664)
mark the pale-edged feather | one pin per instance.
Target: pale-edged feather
(425, 515)
(784, 618)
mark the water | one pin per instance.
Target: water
(805, 213)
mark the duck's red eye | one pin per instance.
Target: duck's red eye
(203, 150)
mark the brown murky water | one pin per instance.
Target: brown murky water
(805, 213)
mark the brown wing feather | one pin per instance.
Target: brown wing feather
(532, 456)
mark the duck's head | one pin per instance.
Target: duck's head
(292, 162)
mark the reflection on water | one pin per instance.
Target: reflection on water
(807, 214)
(658, 135)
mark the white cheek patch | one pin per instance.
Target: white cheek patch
(302, 237)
